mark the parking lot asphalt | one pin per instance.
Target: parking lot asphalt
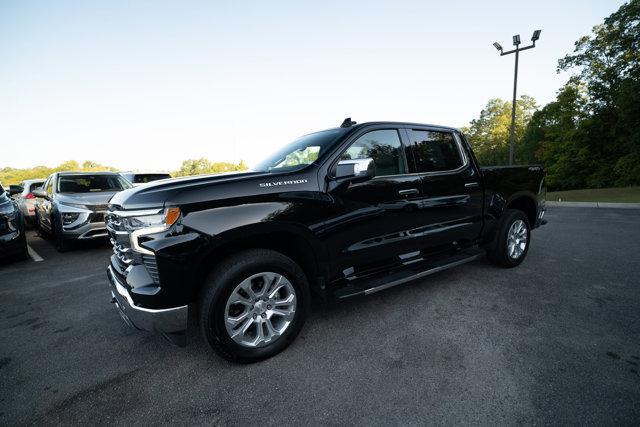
(554, 341)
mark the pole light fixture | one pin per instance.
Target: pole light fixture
(516, 42)
(536, 35)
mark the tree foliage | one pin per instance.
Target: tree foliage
(10, 175)
(205, 166)
(589, 137)
(489, 134)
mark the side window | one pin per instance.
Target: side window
(435, 151)
(49, 186)
(384, 147)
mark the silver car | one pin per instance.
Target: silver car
(71, 205)
(26, 200)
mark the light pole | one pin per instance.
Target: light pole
(516, 43)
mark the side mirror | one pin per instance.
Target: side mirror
(356, 170)
(39, 192)
(15, 189)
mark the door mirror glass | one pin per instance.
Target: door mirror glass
(356, 169)
(39, 192)
(15, 189)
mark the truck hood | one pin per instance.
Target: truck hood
(87, 199)
(202, 188)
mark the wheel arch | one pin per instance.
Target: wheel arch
(290, 240)
(525, 203)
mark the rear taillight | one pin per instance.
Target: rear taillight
(30, 196)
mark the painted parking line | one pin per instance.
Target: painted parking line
(34, 255)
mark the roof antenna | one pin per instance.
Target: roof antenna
(347, 123)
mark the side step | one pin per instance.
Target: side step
(390, 280)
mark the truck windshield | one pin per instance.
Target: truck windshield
(301, 152)
(91, 183)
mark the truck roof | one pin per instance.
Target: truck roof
(449, 128)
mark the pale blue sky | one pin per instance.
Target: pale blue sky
(146, 84)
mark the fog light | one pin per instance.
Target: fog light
(69, 218)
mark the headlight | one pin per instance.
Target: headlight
(69, 217)
(158, 221)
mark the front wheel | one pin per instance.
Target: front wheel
(513, 237)
(62, 244)
(253, 305)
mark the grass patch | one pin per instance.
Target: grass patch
(614, 195)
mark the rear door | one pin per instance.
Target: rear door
(450, 185)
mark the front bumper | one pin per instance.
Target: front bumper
(91, 230)
(165, 321)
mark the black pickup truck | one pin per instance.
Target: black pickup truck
(339, 213)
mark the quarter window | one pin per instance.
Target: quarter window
(383, 146)
(435, 151)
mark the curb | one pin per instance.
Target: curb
(593, 205)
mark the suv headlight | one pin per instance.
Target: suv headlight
(69, 217)
(158, 221)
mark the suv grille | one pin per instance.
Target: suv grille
(124, 255)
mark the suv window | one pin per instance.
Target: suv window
(435, 151)
(91, 183)
(384, 147)
(33, 186)
(49, 186)
(143, 178)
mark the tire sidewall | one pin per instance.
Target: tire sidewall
(214, 328)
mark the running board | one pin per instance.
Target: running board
(403, 277)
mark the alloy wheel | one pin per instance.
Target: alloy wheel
(260, 309)
(517, 239)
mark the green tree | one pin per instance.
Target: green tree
(204, 166)
(489, 133)
(554, 138)
(608, 62)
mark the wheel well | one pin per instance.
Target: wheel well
(292, 245)
(526, 205)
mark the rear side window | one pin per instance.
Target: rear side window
(435, 151)
(383, 146)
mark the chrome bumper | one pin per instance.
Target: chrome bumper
(164, 321)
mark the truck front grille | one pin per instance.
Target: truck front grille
(124, 255)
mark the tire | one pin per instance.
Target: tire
(39, 231)
(62, 244)
(506, 254)
(24, 253)
(225, 284)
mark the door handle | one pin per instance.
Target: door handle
(408, 192)
(472, 185)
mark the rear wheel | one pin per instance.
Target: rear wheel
(512, 239)
(253, 305)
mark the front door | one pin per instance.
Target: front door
(369, 228)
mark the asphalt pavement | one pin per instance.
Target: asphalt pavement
(554, 341)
